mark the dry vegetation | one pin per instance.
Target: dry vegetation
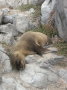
(27, 7)
(62, 48)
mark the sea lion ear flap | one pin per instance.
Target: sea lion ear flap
(37, 42)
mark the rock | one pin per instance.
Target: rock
(5, 65)
(8, 28)
(7, 19)
(32, 11)
(61, 20)
(1, 15)
(5, 11)
(8, 38)
(65, 7)
(38, 77)
(36, 2)
(63, 74)
(46, 9)
(51, 58)
(32, 59)
(52, 49)
(15, 3)
(24, 22)
(15, 19)
(33, 77)
(9, 83)
(20, 87)
(7, 34)
(7, 80)
(8, 16)
(0, 80)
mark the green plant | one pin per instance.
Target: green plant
(46, 29)
(62, 48)
(49, 30)
(25, 7)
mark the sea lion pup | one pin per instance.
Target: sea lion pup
(28, 44)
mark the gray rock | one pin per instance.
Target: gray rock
(7, 80)
(5, 11)
(65, 7)
(7, 38)
(1, 15)
(0, 80)
(50, 11)
(20, 22)
(33, 77)
(61, 20)
(5, 65)
(9, 83)
(38, 77)
(45, 65)
(16, 3)
(63, 74)
(36, 2)
(19, 87)
(32, 58)
(8, 28)
(7, 19)
(46, 9)
(32, 10)
(51, 58)
(24, 23)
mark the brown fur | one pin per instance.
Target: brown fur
(29, 43)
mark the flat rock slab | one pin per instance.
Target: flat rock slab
(39, 74)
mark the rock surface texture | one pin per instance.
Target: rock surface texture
(55, 10)
(46, 72)
(41, 73)
(47, 10)
(16, 3)
(61, 19)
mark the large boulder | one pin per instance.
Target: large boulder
(25, 21)
(61, 20)
(55, 10)
(22, 23)
(47, 9)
